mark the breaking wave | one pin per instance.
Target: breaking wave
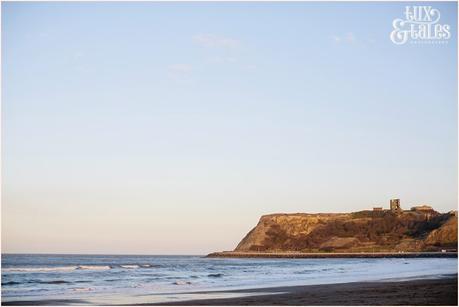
(82, 289)
(149, 266)
(94, 267)
(129, 266)
(76, 267)
(40, 269)
(48, 282)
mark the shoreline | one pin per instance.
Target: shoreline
(230, 254)
(440, 291)
(421, 292)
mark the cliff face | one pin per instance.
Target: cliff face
(364, 231)
(445, 234)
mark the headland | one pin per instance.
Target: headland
(378, 233)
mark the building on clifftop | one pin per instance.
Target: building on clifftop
(428, 211)
(422, 208)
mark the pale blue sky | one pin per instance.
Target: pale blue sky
(171, 127)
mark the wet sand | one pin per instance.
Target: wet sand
(418, 292)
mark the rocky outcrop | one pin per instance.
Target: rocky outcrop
(446, 234)
(364, 231)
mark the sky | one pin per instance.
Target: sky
(170, 128)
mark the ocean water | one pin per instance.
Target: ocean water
(116, 279)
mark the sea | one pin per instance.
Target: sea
(129, 279)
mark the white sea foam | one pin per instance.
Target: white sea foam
(129, 266)
(94, 267)
(82, 289)
(40, 269)
(56, 269)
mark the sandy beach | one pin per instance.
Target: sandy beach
(442, 292)
(438, 292)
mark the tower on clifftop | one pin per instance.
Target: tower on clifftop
(395, 205)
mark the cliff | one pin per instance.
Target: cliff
(363, 231)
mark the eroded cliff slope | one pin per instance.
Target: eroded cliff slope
(364, 231)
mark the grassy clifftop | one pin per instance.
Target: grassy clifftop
(364, 231)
